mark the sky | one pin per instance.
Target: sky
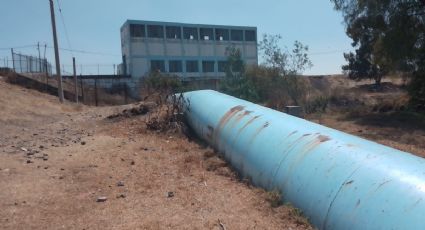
(94, 26)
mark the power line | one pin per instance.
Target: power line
(64, 26)
(327, 52)
(17, 47)
(109, 54)
(64, 49)
(86, 52)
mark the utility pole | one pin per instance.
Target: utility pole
(55, 42)
(75, 80)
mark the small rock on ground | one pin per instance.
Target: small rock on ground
(101, 199)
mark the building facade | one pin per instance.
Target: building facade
(186, 50)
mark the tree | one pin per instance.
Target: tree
(236, 83)
(159, 86)
(287, 65)
(417, 85)
(275, 82)
(388, 35)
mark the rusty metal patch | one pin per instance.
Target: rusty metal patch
(225, 119)
(323, 138)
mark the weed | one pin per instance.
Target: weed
(298, 215)
(317, 105)
(274, 198)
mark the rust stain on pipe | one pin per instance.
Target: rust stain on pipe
(225, 119)
(244, 126)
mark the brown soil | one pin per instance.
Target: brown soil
(57, 160)
(378, 115)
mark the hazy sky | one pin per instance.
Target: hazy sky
(93, 25)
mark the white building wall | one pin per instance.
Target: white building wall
(174, 48)
(206, 49)
(140, 51)
(190, 49)
(139, 67)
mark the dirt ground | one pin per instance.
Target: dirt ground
(378, 115)
(57, 160)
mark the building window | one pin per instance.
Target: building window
(236, 35)
(190, 33)
(137, 31)
(222, 66)
(155, 31)
(157, 65)
(175, 66)
(221, 34)
(192, 66)
(173, 32)
(208, 66)
(250, 36)
(206, 33)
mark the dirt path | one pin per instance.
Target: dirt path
(56, 160)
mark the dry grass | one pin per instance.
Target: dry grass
(377, 115)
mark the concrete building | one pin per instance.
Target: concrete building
(187, 50)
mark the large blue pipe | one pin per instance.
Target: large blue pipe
(338, 180)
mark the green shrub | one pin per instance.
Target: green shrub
(317, 105)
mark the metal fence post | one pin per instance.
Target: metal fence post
(75, 80)
(45, 64)
(125, 94)
(13, 61)
(95, 91)
(47, 74)
(82, 88)
(20, 62)
(39, 57)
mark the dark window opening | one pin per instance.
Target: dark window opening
(190, 33)
(175, 67)
(155, 31)
(236, 35)
(124, 65)
(137, 31)
(208, 66)
(222, 66)
(192, 66)
(173, 32)
(250, 36)
(221, 34)
(157, 65)
(206, 33)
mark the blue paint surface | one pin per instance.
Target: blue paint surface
(338, 180)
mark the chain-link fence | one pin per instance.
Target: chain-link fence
(29, 64)
(96, 88)
(101, 90)
(104, 90)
